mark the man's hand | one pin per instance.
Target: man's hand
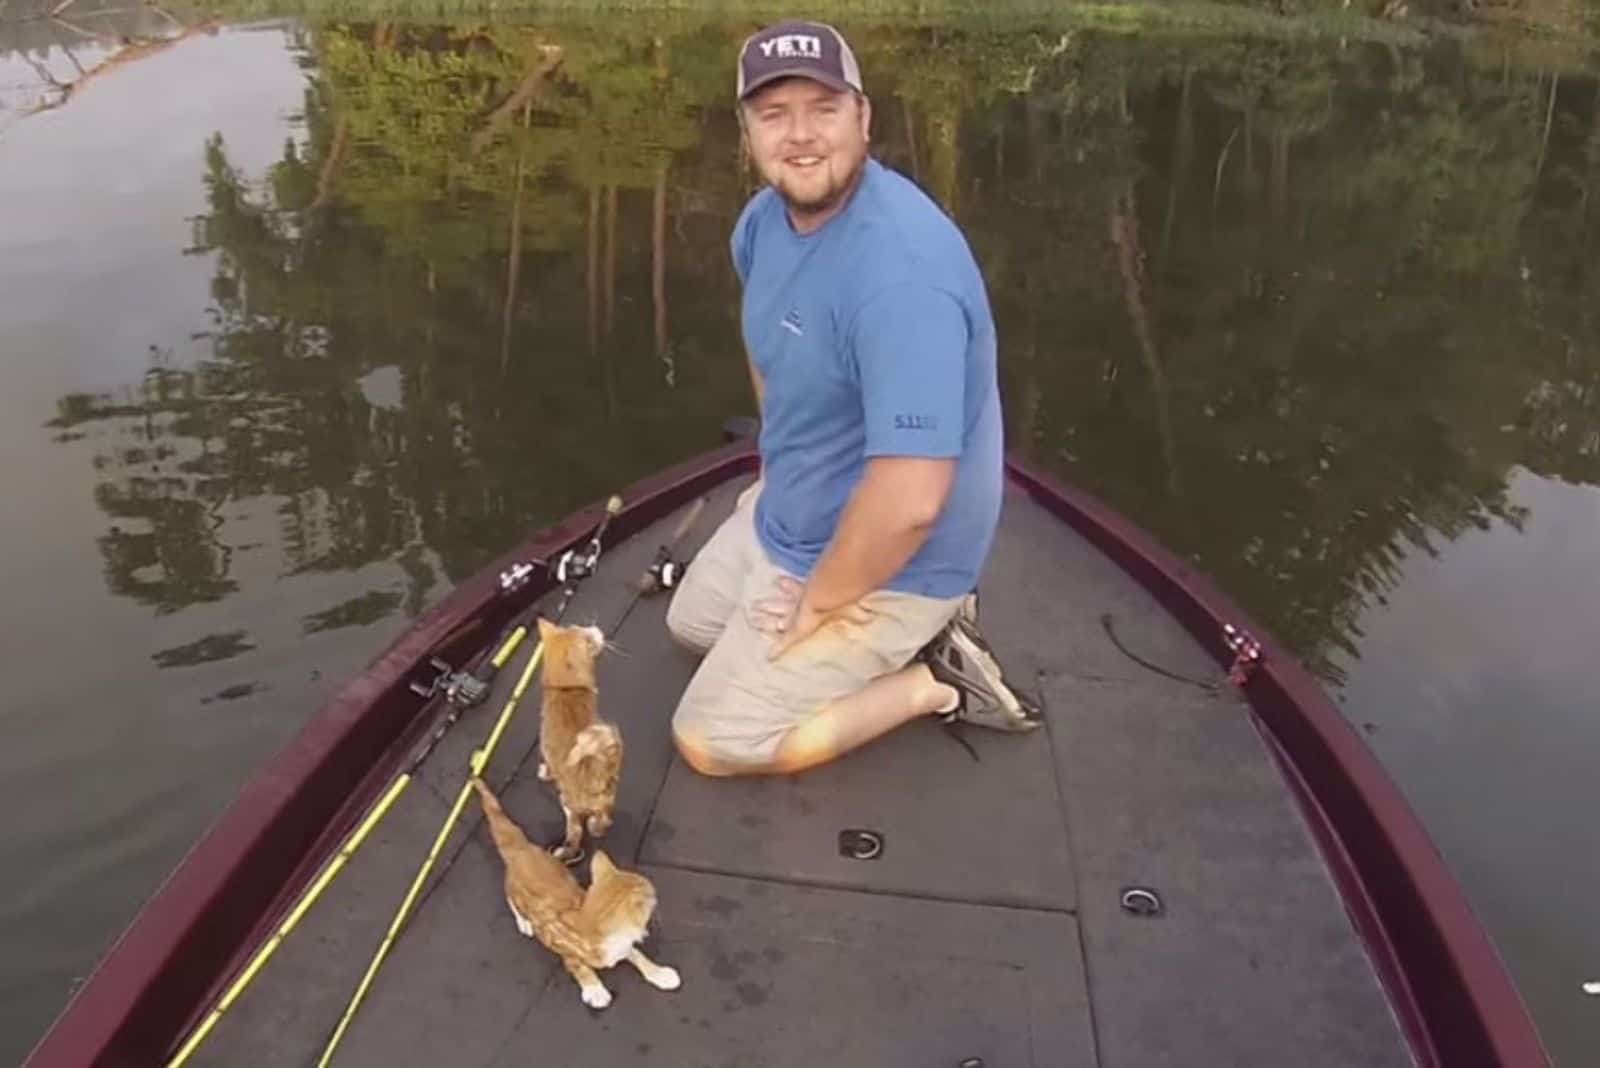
(891, 512)
(788, 616)
(889, 515)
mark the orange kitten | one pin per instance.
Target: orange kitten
(588, 929)
(580, 751)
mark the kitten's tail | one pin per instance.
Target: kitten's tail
(600, 742)
(502, 828)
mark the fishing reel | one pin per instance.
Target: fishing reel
(664, 574)
(572, 565)
(461, 688)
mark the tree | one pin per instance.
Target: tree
(1295, 307)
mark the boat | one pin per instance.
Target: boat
(1196, 861)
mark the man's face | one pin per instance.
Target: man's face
(809, 141)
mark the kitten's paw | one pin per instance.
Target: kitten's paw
(543, 772)
(665, 978)
(596, 997)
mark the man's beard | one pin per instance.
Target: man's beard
(827, 198)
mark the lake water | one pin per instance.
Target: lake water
(302, 323)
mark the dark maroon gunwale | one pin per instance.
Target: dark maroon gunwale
(1446, 983)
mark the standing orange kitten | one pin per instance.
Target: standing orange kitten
(597, 928)
(580, 751)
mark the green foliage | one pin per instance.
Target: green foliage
(1297, 306)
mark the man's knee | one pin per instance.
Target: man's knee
(690, 633)
(687, 643)
(718, 761)
(697, 757)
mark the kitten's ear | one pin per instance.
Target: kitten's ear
(601, 866)
(545, 628)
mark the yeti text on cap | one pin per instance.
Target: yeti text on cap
(790, 45)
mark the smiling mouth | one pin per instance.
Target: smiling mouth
(804, 162)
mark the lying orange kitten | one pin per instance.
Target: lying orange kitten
(580, 751)
(587, 929)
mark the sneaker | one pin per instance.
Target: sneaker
(960, 658)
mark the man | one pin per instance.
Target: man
(837, 603)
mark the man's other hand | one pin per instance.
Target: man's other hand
(786, 615)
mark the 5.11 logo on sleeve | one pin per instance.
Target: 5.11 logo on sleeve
(916, 422)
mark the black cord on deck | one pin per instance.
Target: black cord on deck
(1105, 622)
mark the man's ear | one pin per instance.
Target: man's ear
(746, 158)
(864, 105)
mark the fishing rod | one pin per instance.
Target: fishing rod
(570, 571)
(464, 688)
(663, 573)
(570, 568)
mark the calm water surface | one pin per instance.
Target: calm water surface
(300, 324)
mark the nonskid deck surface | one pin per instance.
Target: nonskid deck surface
(989, 926)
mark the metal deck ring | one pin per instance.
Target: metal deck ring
(1141, 901)
(859, 844)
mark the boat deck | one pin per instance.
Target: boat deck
(989, 926)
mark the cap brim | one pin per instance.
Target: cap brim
(832, 82)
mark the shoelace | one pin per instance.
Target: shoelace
(953, 727)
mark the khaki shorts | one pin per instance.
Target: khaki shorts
(739, 705)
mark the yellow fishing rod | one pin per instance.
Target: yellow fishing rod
(569, 570)
(480, 758)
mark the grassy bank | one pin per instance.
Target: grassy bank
(1320, 20)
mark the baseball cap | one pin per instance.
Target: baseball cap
(812, 50)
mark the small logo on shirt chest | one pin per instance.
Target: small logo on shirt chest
(791, 323)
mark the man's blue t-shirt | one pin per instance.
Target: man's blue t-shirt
(873, 337)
